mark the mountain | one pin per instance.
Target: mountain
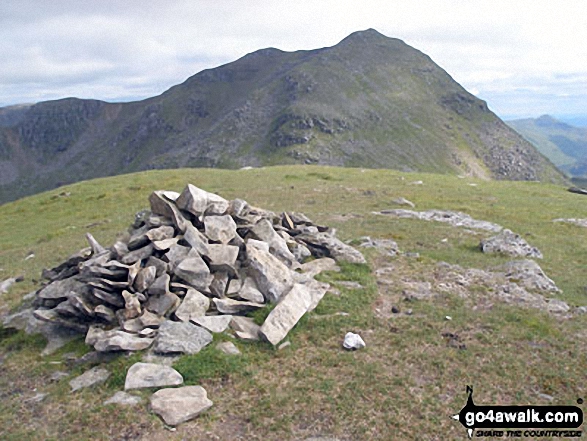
(563, 144)
(369, 101)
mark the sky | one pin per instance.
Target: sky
(525, 58)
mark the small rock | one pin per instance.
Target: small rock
(395, 309)
(181, 337)
(179, 405)
(142, 375)
(89, 378)
(231, 306)
(353, 341)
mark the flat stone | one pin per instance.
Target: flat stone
(60, 289)
(220, 228)
(142, 375)
(116, 340)
(286, 314)
(178, 405)
(231, 306)
(137, 255)
(181, 337)
(123, 399)
(213, 323)
(194, 304)
(89, 378)
(51, 316)
(111, 298)
(162, 245)
(228, 348)
(198, 202)
(163, 305)
(273, 278)
(195, 272)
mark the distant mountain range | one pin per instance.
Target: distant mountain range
(369, 101)
(563, 144)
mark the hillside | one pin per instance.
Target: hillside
(563, 144)
(430, 327)
(369, 101)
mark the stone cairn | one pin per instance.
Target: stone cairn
(192, 265)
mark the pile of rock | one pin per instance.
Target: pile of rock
(192, 265)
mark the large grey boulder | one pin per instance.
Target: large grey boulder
(222, 257)
(142, 375)
(179, 405)
(273, 278)
(509, 243)
(286, 314)
(181, 337)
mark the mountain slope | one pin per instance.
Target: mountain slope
(369, 101)
(563, 144)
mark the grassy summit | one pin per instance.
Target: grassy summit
(405, 384)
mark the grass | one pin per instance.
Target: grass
(404, 385)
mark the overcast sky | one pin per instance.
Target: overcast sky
(524, 57)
